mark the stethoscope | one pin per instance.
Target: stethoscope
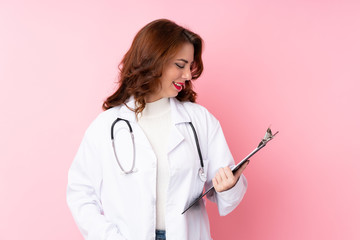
(201, 171)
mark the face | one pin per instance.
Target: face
(175, 73)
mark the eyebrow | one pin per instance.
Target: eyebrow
(185, 61)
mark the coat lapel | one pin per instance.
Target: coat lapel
(178, 116)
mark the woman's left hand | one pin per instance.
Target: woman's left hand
(225, 179)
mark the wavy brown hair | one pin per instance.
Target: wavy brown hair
(142, 66)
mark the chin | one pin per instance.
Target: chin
(174, 94)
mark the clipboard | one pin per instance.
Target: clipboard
(268, 137)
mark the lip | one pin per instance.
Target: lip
(179, 88)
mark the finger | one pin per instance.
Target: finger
(241, 170)
(232, 179)
(217, 185)
(238, 173)
(229, 174)
(244, 166)
(215, 182)
(218, 178)
(223, 174)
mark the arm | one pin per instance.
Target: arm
(228, 195)
(83, 194)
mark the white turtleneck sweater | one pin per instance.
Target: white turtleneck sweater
(155, 121)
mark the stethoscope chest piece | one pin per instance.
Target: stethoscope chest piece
(202, 174)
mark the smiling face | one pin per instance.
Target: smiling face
(175, 73)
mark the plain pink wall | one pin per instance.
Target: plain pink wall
(292, 64)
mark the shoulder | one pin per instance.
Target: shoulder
(102, 122)
(200, 116)
(197, 110)
(193, 108)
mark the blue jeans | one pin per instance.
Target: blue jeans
(160, 235)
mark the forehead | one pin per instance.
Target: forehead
(186, 52)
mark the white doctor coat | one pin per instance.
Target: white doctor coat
(109, 205)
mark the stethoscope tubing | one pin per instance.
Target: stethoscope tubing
(197, 145)
(133, 144)
(202, 174)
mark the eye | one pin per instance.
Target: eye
(179, 65)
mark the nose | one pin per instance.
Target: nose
(187, 74)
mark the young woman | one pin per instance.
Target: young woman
(153, 150)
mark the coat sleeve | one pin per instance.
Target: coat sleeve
(83, 194)
(219, 155)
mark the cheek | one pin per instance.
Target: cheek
(175, 74)
(171, 76)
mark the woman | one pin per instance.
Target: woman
(138, 188)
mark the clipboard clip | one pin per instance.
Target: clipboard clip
(268, 136)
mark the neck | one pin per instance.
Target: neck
(156, 108)
(151, 99)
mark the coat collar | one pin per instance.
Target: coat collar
(178, 115)
(178, 111)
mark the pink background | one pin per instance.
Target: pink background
(291, 64)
